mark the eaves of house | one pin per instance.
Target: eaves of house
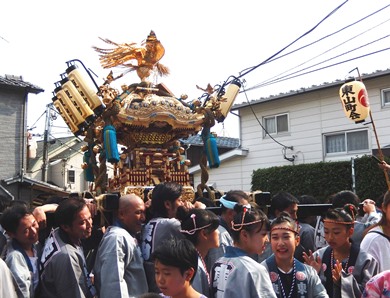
(224, 157)
(16, 83)
(222, 142)
(314, 88)
(36, 185)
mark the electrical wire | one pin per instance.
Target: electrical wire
(243, 73)
(67, 146)
(64, 127)
(33, 126)
(279, 78)
(292, 75)
(77, 151)
(326, 36)
(261, 125)
(284, 78)
(71, 148)
(1, 37)
(322, 68)
(327, 51)
(248, 70)
(274, 57)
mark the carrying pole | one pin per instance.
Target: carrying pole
(381, 157)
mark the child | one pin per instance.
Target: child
(227, 203)
(344, 269)
(236, 274)
(200, 226)
(22, 250)
(175, 265)
(166, 200)
(289, 277)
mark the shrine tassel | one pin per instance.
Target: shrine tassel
(110, 144)
(211, 149)
(88, 172)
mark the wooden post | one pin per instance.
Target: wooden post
(380, 151)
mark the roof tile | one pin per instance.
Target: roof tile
(222, 142)
(12, 81)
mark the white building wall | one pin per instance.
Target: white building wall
(228, 176)
(58, 173)
(311, 115)
(37, 175)
(74, 163)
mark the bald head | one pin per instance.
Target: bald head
(129, 200)
(131, 213)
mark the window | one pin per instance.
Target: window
(276, 124)
(346, 142)
(71, 176)
(385, 95)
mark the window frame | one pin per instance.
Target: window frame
(346, 152)
(275, 116)
(69, 176)
(385, 104)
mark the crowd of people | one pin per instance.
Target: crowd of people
(167, 247)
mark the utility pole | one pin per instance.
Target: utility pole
(45, 157)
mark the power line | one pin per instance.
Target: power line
(321, 68)
(4, 39)
(245, 72)
(272, 58)
(63, 144)
(327, 51)
(64, 127)
(261, 125)
(329, 35)
(32, 126)
(71, 148)
(290, 75)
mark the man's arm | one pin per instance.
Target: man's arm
(40, 213)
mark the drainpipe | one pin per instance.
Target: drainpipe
(239, 128)
(188, 147)
(24, 139)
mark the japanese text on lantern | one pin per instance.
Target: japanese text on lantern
(349, 101)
